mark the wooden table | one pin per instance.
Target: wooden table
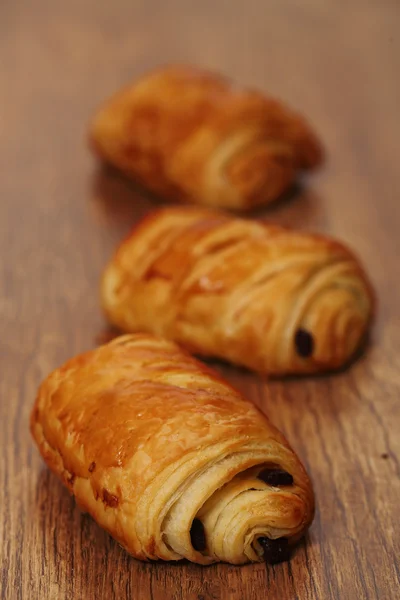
(61, 216)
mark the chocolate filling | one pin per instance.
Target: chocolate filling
(198, 535)
(304, 343)
(275, 477)
(275, 551)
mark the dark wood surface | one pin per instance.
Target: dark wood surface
(61, 216)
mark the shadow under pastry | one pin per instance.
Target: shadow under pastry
(300, 208)
(119, 199)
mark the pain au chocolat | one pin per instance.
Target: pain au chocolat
(272, 299)
(192, 135)
(169, 458)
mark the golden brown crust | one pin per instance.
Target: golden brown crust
(192, 135)
(147, 439)
(240, 290)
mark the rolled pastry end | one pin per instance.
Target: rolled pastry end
(261, 173)
(335, 325)
(256, 516)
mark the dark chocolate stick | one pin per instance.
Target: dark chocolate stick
(275, 551)
(304, 343)
(198, 535)
(275, 477)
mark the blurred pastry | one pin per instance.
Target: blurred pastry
(192, 135)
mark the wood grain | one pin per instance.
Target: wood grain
(61, 216)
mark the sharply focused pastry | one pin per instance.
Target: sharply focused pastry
(269, 298)
(168, 458)
(191, 135)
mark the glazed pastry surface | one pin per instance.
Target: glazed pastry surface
(272, 299)
(192, 135)
(168, 458)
